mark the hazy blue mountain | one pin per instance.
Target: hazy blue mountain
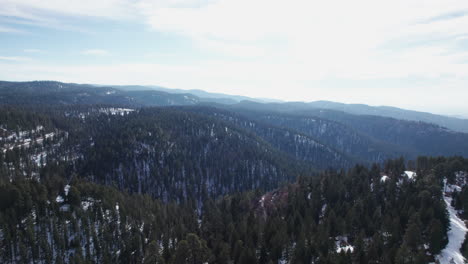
(453, 123)
(57, 93)
(52, 92)
(213, 97)
(98, 175)
(67, 93)
(370, 138)
(366, 138)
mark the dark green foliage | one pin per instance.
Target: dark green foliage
(116, 226)
(365, 137)
(195, 185)
(385, 222)
(176, 155)
(56, 93)
(297, 144)
(167, 153)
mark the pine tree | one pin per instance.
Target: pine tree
(436, 236)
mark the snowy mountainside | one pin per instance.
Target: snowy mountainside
(179, 155)
(299, 145)
(166, 153)
(124, 184)
(361, 138)
(221, 197)
(369, 138)
(455, 188)
(336, 135)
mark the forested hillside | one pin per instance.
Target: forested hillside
(167, 153)
(180, 152)
(172, 154)
(452, 123)
(369, 138)
(363, 138)
(421, 137)
(111, 180)
(378, 215)
(287, 139)
(56, 93)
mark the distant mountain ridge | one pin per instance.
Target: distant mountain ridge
(219, 97)
(52, 92)
(104, 175)
(452, 123)
(371, 138)
(303, 131)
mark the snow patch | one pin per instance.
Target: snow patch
(456, 236)
(410, 174)
(345, 249)
(87, 203)
(59, 199)
(384, 178)
(116, 111)
(449, 188)
(323, 210)
(66, 189)
(342, 244)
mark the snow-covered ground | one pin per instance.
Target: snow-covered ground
(59, 199)
(410, 174)
(384, 178)
(66, 189)
(456, 236)
(116, 111)
(342, 244)
(345, 249)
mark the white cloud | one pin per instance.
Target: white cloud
(319, 34)
(325, 36)
(283, 49)
(14, 59)
(231, 48)
(96, 52)
(34, 9)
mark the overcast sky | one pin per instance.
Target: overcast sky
(406, 53)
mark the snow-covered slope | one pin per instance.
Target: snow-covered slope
(456, 236)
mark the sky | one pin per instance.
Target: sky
(410, 54)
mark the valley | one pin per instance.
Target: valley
(128, 178)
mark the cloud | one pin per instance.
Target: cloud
(259, 47)
(64, 15)
(327, 32)
(448, 16)
(14, 59)
(37, 10)
(231, 48)
(343, 39)
(96, 52)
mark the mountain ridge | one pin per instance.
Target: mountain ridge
(142, 94)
